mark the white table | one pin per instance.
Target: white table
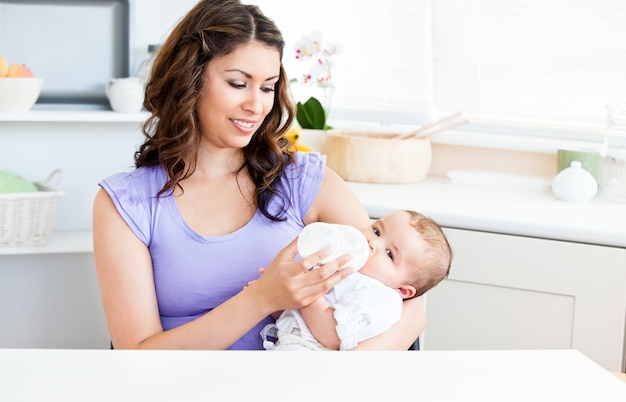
(105, 375)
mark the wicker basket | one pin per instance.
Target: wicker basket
(26, 218)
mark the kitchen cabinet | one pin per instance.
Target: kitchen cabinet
(48, 294)
(51, 301)
(528, 271)
(515, 292)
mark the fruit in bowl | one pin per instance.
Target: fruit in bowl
(19, 70)
(19, 88)
(4, 67)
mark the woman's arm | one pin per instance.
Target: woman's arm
(402, 334)
(337, 203)
(124, 271)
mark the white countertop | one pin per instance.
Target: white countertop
(114, 375)
(510, 211)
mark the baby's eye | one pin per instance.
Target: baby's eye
(390, 254)
(376, 232)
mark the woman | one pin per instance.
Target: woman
(216, 196)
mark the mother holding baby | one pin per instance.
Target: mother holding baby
(217, 197)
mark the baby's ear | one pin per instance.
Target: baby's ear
(407, 291)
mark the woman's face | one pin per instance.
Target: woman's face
(238, 95)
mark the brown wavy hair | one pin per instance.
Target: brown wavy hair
(213, 28)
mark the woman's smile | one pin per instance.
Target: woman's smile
(247, 126)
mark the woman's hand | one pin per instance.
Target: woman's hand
(288, 284)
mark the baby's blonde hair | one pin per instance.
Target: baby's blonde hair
(434, 265)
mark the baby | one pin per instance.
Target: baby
(409, 254)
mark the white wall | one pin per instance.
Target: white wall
(150, 23)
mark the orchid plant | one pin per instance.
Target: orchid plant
(318, 60)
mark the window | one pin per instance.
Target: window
(530, 67)
(384, 72)
(534, 66)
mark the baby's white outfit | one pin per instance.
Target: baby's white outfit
(364, 307)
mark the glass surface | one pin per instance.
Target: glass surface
(76, 46)
(613, 171)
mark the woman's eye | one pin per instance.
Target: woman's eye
(267, 89)
(237, 85)
(390, 254)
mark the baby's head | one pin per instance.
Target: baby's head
(433, 265)
(409, 252)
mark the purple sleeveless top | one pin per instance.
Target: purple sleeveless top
(194, 273)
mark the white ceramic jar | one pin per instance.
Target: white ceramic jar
(574, 184)
(125, 94)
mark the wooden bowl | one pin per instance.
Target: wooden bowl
(377, 157)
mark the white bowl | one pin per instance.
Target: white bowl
(19, 94)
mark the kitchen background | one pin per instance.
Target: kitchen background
(49, 297)
(48, 294)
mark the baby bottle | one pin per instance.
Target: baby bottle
(342, 239)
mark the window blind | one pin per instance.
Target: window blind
(384, 71)
(539, 67)
(550, 65)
